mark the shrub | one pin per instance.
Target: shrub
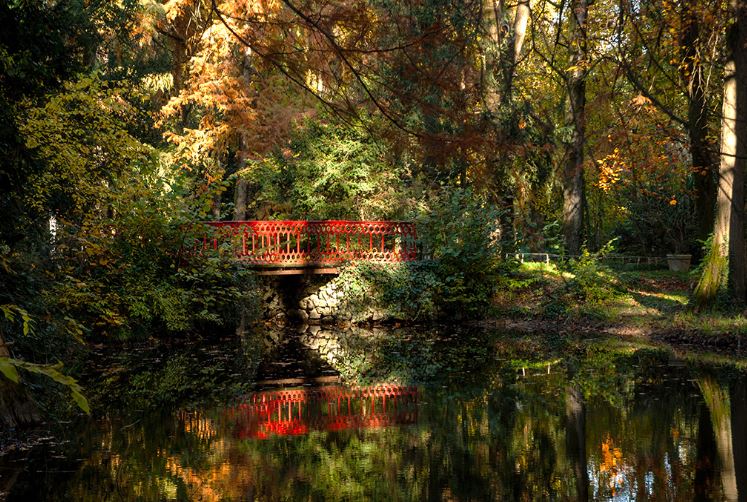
(591, 281)
(459, 243)
(460, 236)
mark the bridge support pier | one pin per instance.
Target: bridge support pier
(313, 299)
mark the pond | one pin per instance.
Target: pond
(401, 414)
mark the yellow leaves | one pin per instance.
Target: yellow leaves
(158, 82)
(610, 170)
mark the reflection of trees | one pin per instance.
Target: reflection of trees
(706, 455)
(739, 433)
(716, 397)
(575, 411)
(506, 434)
(727, 407)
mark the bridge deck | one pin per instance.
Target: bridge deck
(311, 247)
(307, 270)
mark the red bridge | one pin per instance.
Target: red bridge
(332, 408)
(313, 244)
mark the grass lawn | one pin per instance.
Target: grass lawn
(653, 304)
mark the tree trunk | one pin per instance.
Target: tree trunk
(729, 231)
(521, 19)
(737, 251)
(573, 173)
(239, 210)
(492, 17)
(215, 209)
(703, 162)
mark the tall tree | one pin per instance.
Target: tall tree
(573, 172)
(729, 225)
(515, 44)
(668, 52)
(703, 160)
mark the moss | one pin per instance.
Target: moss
(713, 276)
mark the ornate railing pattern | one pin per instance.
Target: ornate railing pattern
(312, 243)
(299, 411)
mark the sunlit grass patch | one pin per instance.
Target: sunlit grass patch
(708, 323)
(587, 290)
(548, 268)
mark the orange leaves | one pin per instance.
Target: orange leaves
(612, 464)
(230, 103)
(640, 100)
(611, 456)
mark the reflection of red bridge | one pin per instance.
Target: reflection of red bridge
(332, 408)
(314, 243)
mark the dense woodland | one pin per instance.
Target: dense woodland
(567, 126)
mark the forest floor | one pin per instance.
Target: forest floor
(643, 304)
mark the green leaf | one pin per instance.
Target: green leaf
(8, 369)
(81, 401)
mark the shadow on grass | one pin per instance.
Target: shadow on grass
(660, 303)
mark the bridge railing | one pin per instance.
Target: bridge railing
(312, 243)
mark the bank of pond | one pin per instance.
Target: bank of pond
(321, 413)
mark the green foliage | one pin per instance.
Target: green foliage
(142, 279)
(8, 368)
(327, 172)
(124, 221)
(658, 217)
(81, 137)
(582, 285)
(457, 275)
(402, 291)
(592, 281)
(11, 311)
(460, 234)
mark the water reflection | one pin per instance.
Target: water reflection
(531, 422)
(294, 412)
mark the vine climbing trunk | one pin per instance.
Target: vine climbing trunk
(573, 172)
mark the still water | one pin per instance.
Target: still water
(405, 415)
